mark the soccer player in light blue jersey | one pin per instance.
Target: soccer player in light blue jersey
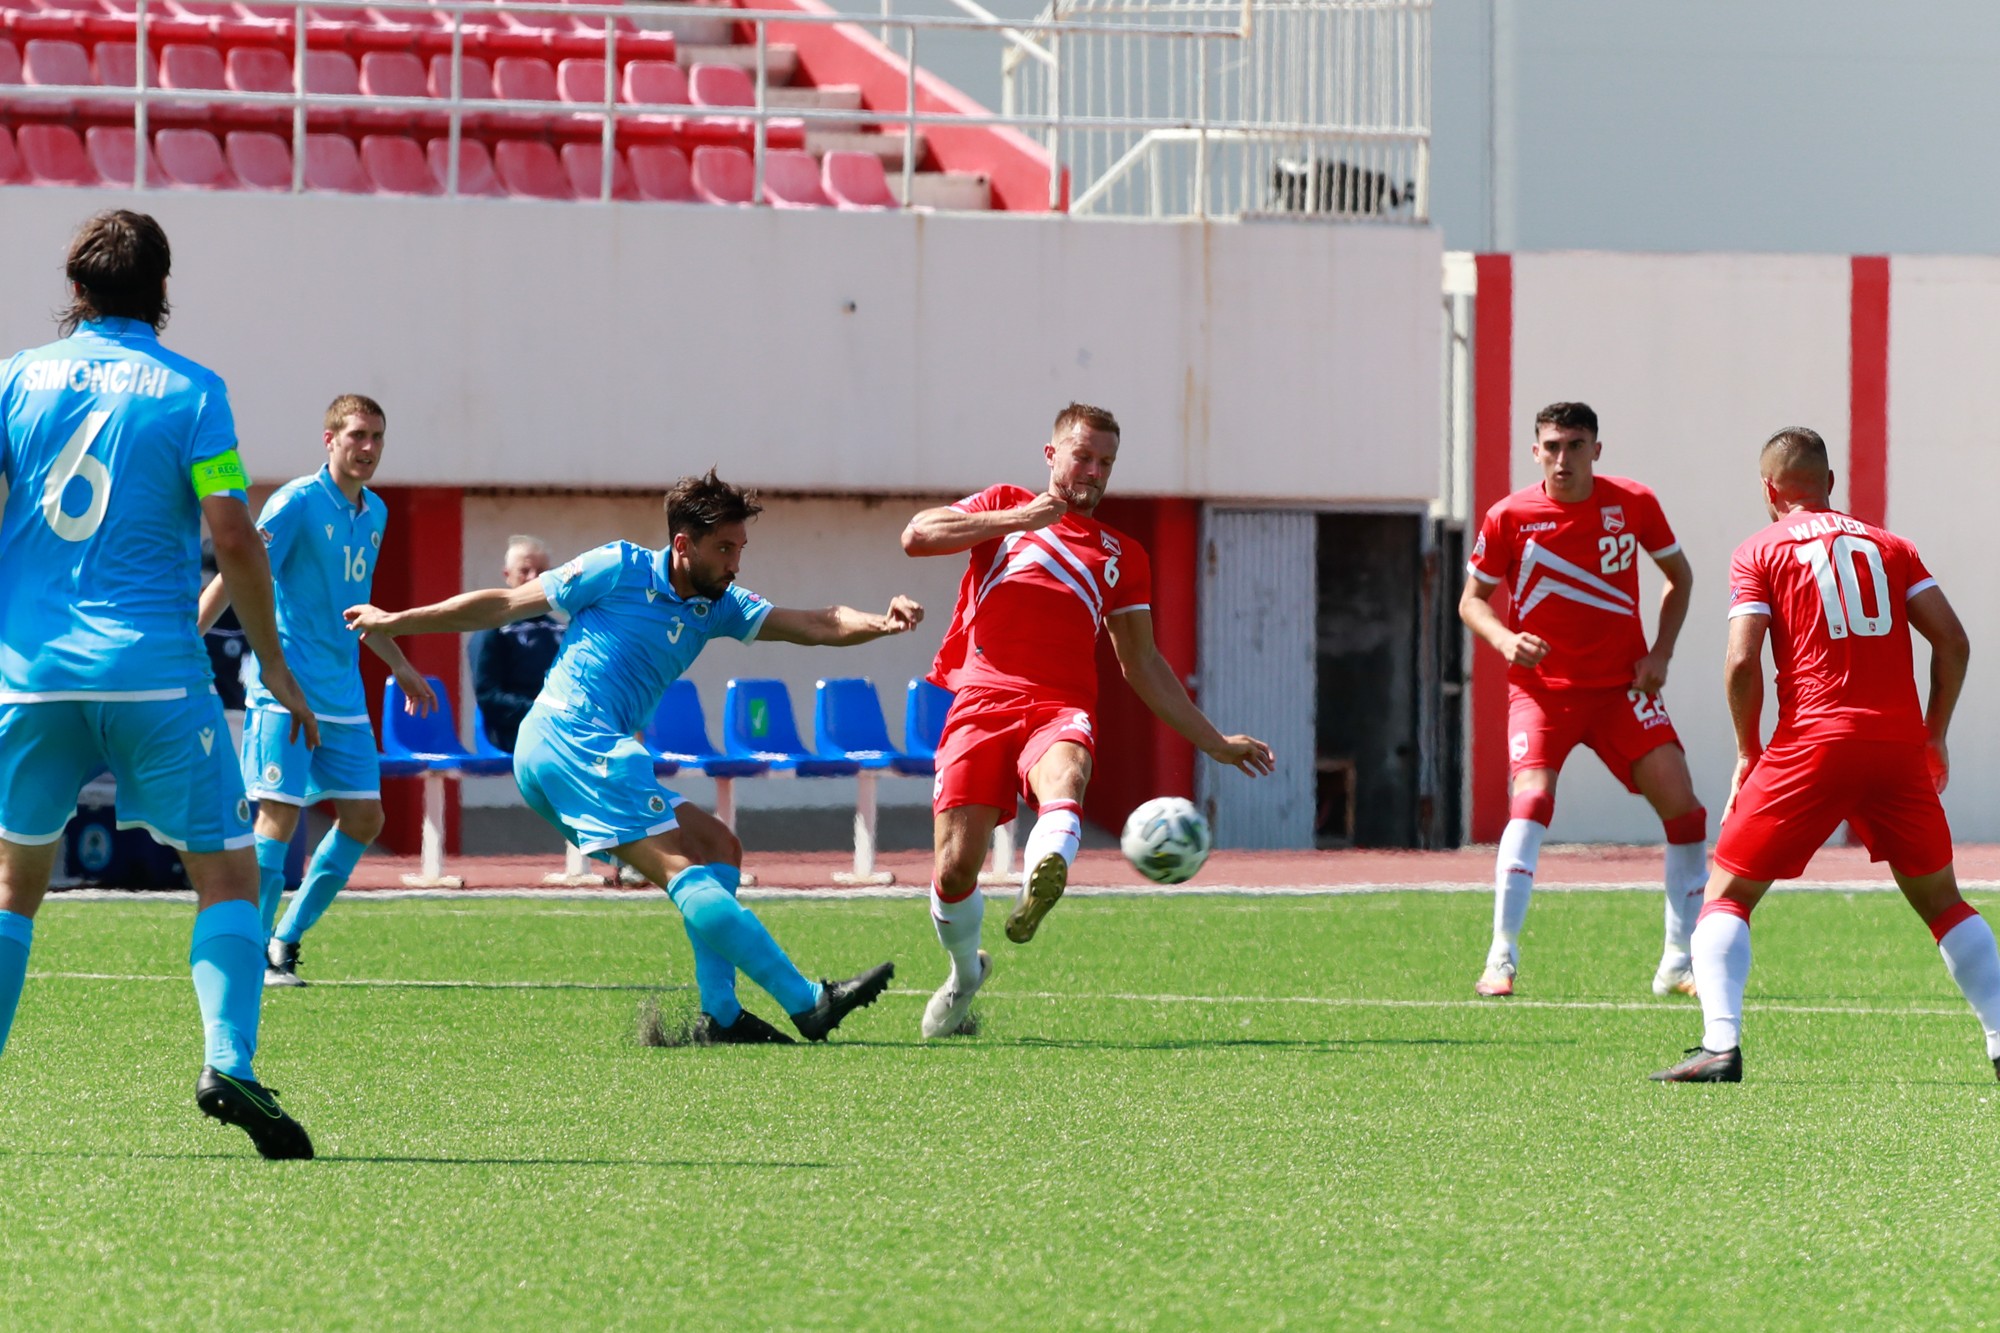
(638, 619)
(114, 450)
(323, 534)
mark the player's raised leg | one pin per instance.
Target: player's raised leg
(1529, 810)
(1057, 778)
(1965, 942)
(1662, 777)
(961, 835)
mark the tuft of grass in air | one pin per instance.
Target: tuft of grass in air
(1177, 1113)
(665, 1022)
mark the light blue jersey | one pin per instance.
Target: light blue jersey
(104, 437)
(631, 635)
(323, 553)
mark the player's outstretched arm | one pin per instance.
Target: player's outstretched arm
(488, 608)
(1743, 681)
(418, 697)
(839, 626)
(246, 580)
(1649, 673)
(1951, 651)
(1475, 608)
(1153, 679)
(947, 531)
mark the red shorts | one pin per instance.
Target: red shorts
(1622, 725)
(992, 738)
(1798, 794)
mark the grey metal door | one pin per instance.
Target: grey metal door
(1257, 669)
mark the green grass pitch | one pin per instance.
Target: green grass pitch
(1179, 1113)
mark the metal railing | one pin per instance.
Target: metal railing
(1143, 110)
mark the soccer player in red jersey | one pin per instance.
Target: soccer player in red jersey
(1021, 656)
(1579, 671)
(1839, 598)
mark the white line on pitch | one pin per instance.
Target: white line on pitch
(1668, 1008)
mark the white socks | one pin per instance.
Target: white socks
(1513, 883)
(1686, 877)
(1721, 971)
(1057, 832)
(1966, 942)
(958, 931)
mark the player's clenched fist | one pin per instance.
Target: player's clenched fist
(1247, 753)
(366, 619)
(1043, 510)
(904, 614)
(1525, 650)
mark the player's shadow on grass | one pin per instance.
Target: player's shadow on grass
(1329, 1045)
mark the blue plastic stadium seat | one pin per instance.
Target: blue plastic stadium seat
(757, 724)
(848, 724)
(482, 745)
(924, 709)
(432, 740)
(678, 735)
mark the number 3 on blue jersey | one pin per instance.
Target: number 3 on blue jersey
(74, 463)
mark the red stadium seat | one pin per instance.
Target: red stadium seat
(585, 164)
(396, 165)
(791, 180)
(193, 159)
(660, 173)
(12, 170)
(475, 78)
(856, 181)
(117, 64)
(114, 154)
(190, 68)
(524, 79)
(654, 83)
(528, 169)
(721, 86)
(260, 159)
(161, 27)
(27, 21)
(581, 81)
(723, 175)
(475, 166)
(10, 63)
(333, 164)
(48, 62)
(256, 69)
(399, 74)
(54, 155)
(537, 23)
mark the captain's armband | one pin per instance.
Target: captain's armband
(220, 474)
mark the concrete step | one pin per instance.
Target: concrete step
(888, 147)
(946, 191)
(781, 59)
(701, 25)
(836, 97)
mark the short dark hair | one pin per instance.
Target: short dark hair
(119, 261)
(1083, 414)
(700, 505)
(1569, 416)
(1793, 449)
(353, 405)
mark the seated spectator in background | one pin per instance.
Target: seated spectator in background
(508, 663)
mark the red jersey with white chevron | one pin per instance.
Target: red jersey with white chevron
(1835, 588)
(1572, 577)
(1031, 604)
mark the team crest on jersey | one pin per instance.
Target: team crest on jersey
(1614, 518)
(375, 540)
(1479, 547)
(656, 804)
(272, 773)
(700, 610)
(1110, 542)
(1517, 746)
(243, 811)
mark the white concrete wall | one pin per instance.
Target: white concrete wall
(1691, 362)
(1943, 469)
(520, 343)
(803, 553)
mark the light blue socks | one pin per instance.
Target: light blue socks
(332, 863)
(716, 922)
(270, 878)
(17, 934)
(714, 975)
(227, 956)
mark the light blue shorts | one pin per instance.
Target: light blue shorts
(345, 767)
(172, 759)
(595, 784)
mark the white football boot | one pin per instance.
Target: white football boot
(1675, 976)
(945, 1015)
